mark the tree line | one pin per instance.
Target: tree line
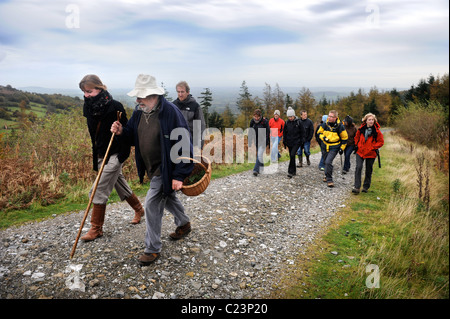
(386, 105)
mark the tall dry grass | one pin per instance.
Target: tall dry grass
(413, 253)
(49, 159)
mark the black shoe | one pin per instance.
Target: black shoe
(255, 173)
(364, 190)
(290, 175)
(355, 190)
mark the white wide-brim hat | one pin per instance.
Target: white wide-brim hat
(145, 86)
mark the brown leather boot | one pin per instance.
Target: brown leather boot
(181, 231)
(138, 209)
(148, 258)
(97, 220)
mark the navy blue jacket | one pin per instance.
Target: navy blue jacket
(170, 118)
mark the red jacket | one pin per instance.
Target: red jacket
(279, 125)
(366, 149)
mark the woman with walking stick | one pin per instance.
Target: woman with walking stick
(368, 140)
(101, 110)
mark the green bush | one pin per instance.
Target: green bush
(422, 123)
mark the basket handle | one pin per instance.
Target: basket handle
(194, 160)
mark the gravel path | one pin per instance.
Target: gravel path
(245, 231)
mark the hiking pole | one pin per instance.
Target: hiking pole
(119, 114)
(378, 155)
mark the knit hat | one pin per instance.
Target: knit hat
(290, 112)
(277, 112)
(324, 118)
(349, 120)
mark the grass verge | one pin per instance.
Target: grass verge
(385, 244)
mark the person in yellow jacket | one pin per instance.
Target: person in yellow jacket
(334, 136)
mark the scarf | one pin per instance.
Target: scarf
(97, 105)
(368, 133)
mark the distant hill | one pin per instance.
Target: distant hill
(15, 104)
(222, 96)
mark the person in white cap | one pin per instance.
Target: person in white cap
(149, 130)
(321, 144)
(276, 125)
(293, 137)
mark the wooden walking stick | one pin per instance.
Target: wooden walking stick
(119, 114)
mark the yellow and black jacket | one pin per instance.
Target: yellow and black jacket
(333, 135)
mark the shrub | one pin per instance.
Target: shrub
(422, 123)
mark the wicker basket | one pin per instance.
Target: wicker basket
(200, 186)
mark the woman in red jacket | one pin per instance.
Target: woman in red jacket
(368, 139)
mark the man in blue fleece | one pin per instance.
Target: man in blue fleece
(160, 135)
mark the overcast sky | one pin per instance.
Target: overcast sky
(214, 43)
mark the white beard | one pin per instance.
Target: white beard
(145, 108)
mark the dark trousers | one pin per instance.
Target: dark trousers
(358, 171)
(348, 152)
(292, 152)
(328, 160)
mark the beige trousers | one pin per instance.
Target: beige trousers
(111, 178)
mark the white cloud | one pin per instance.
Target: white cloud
(315, 43)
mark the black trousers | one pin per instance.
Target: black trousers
(292, 152)
(368, 173)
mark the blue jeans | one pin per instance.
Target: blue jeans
(274, 154)
(305, 148)
(348, 151)
(323, 149)
(259, 158)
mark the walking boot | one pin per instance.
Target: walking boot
(148, 258)
(307, 160)
(97, 220)
(300, 161)
(181, 231)
(138, 209)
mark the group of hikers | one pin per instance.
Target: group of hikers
(149, 131)
(333, 136)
